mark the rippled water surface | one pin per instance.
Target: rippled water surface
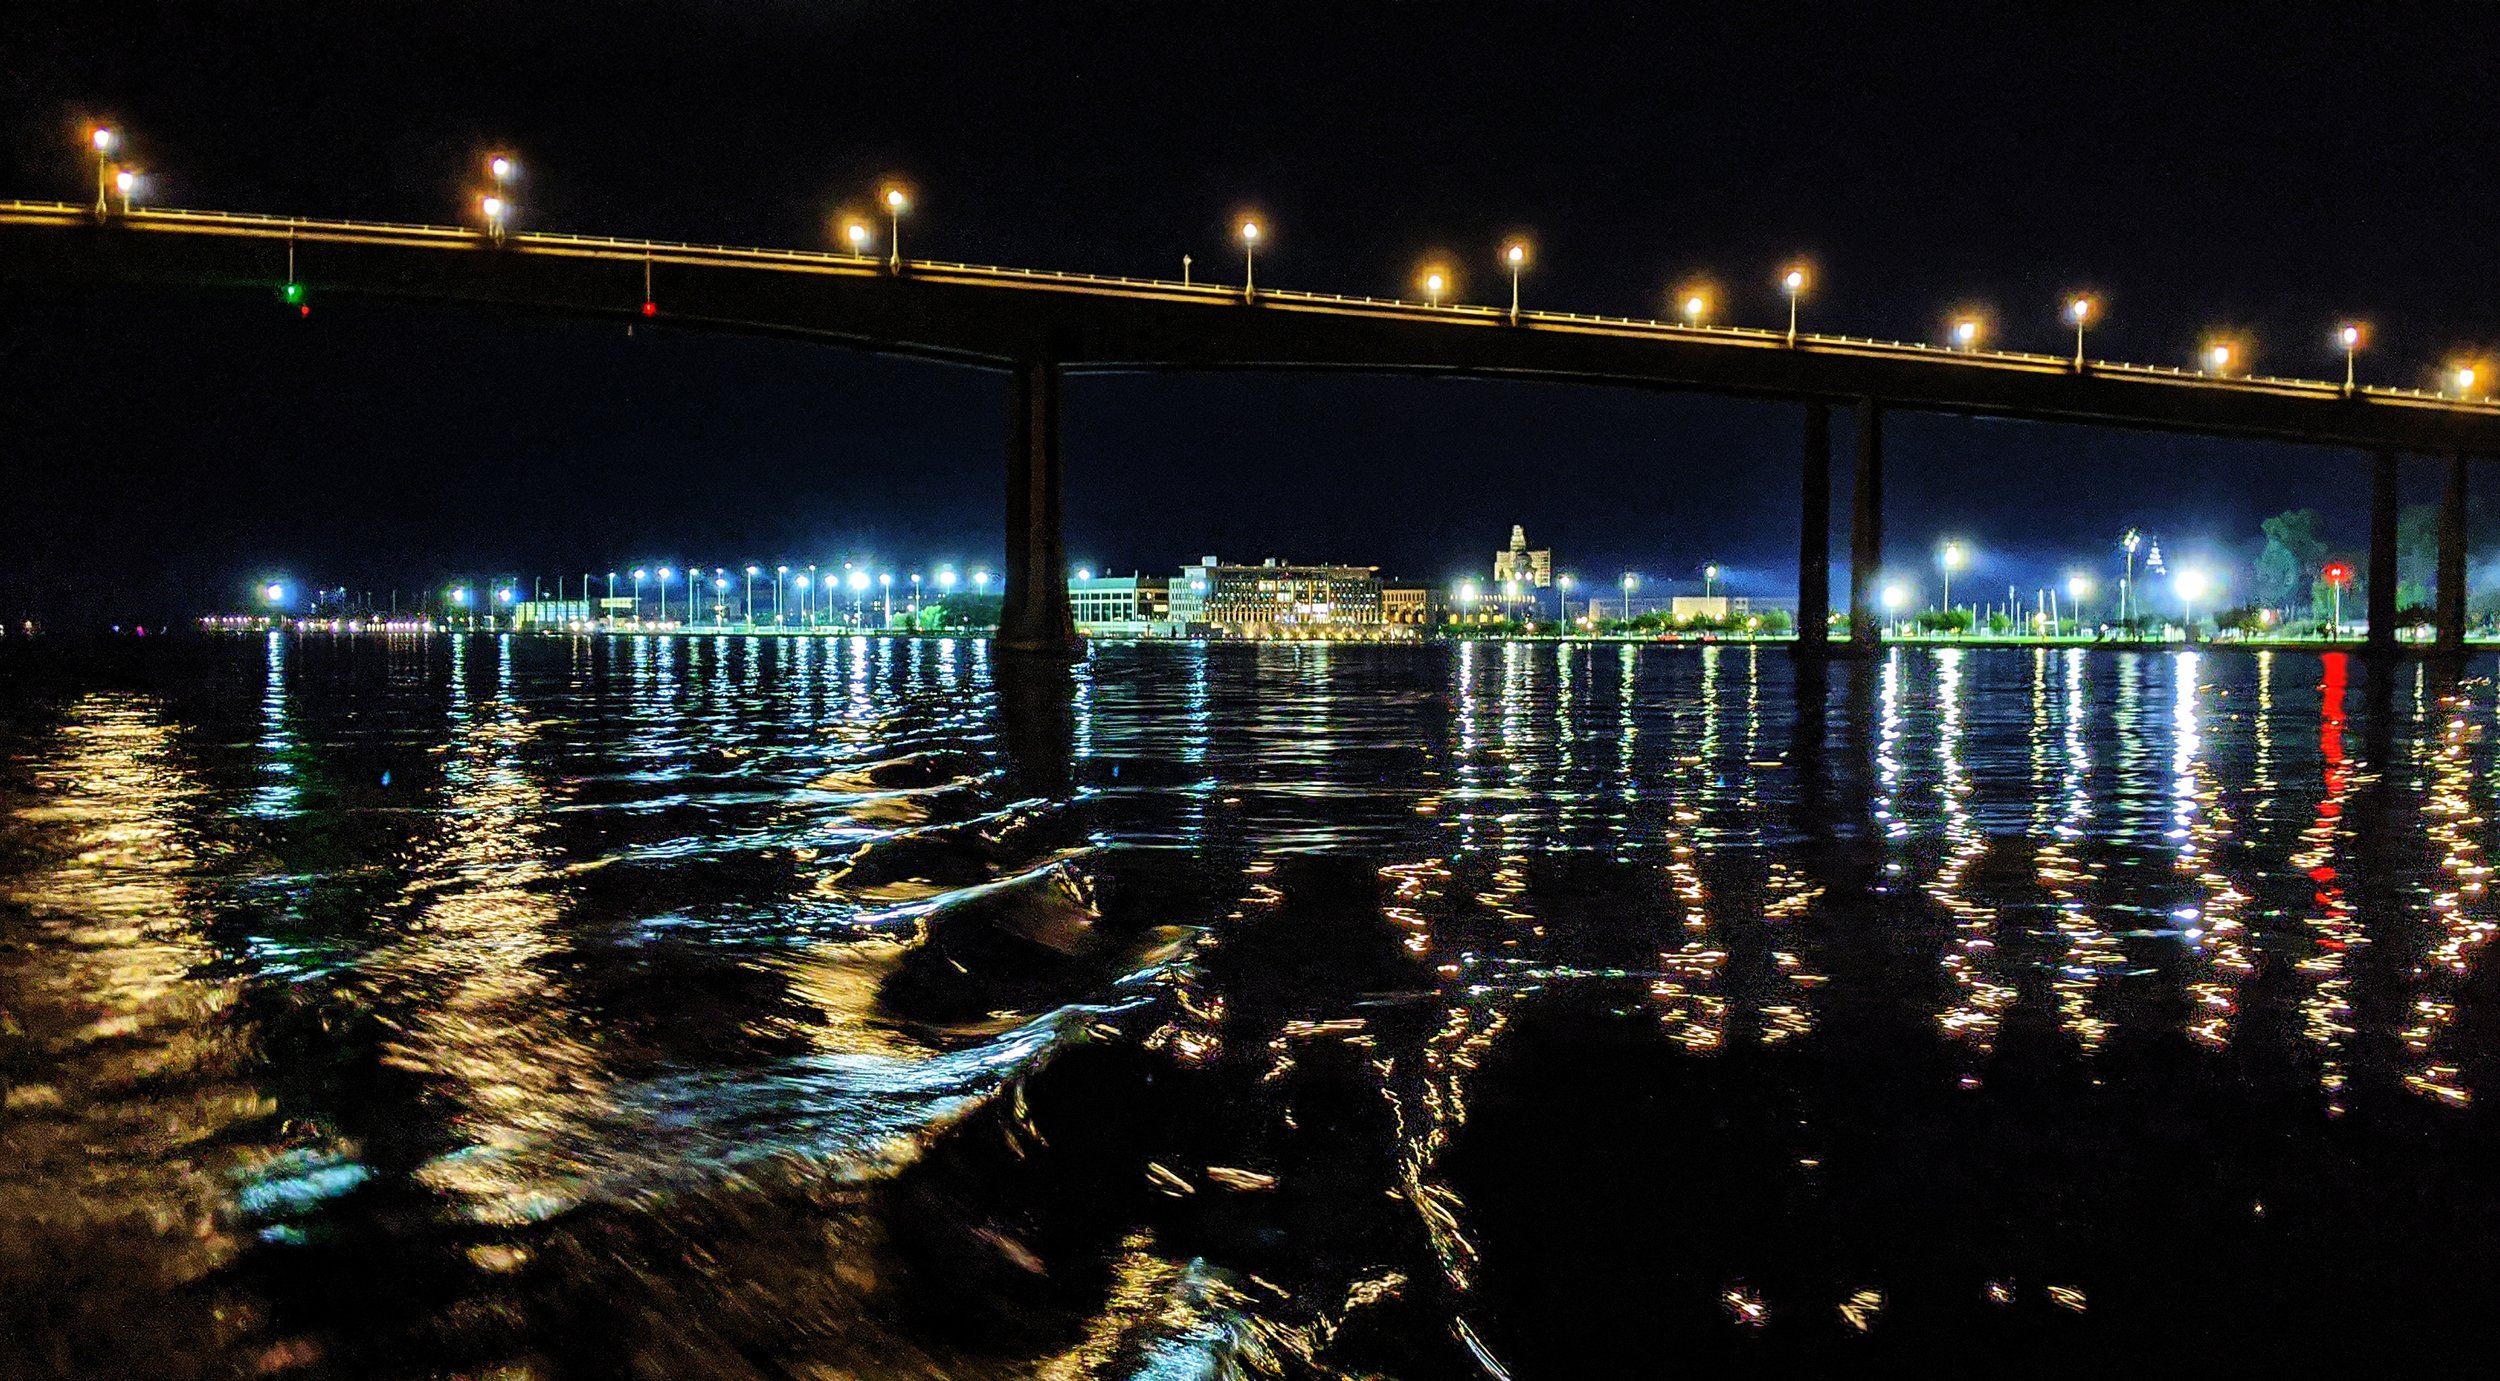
(537, 1008)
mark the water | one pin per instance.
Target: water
(762, 1008)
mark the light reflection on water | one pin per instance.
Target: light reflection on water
(740, 1006)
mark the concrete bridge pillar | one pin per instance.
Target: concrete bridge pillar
(2382, 588)
(1814, 535)
(1866, 529)
(2451, 600)
(1035, 616)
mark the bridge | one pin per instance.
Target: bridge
(1041, 326)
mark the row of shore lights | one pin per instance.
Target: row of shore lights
(2219, 356)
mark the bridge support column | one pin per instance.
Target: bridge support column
(1035, 616)
(1866, 529)
(1814, 535)
(2382, 590)
(2451, 607)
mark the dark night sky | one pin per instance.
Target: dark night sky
(2248, 166)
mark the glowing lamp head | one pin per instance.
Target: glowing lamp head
(2350, 336)
(754, 571)
(1793, 282)
(895, 201)
(492, 205)
(667, 573)
(125, 182)
(859, 580)
(504, 594)
(500, 166)
(639, 573)
(1966, 333)
(946, 579)
(2079, 310)
(2464, 378)
(1515, 254)
(1695, 307)
(2192, 583)
(1435, 281)
(2078, 586)
(1710, 572)
(1466, 592)
(1895, 597)
(857, 233)
(461, 596)
(274, 592)
(2218, 358)
(1250, 232)
(1955, 555)
(781, 570)
(103, 139)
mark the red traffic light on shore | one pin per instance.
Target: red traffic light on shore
(2338, 573)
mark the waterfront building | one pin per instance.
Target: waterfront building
(1121, 606)
(1275, 600)
(1416, 607)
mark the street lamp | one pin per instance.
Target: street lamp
(1951, 557)
(2078, 589)
(915, 592)
(895, 204)
(493, 208)
(1249, 257)
(2218, 357)
(720, 596)
(638, 576)
(1515, 254)
(1696, 307)
(980, 582)
(1434, 281)
(885, 582)
(666, 575)
(2349, 336)
(749, 592)
(780, 574)
(126, 182)
(856, 233)
(1793, 283)
(1709, 578)
(1966, 333)
(2129, 541)
(103, 139)
(2080, 310)
(1562, 597)
(1631, 582)
(1894, 598)
(2462, 377)
(2338, 575)
(2191, 584)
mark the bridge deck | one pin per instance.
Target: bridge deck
(997, 317)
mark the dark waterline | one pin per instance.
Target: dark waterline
(749, 1007)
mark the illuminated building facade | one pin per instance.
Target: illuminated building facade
(1274, 600)
(1121, 606)
(1532, 569)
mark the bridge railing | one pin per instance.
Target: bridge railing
(688, 252)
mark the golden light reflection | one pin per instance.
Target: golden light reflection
(1981, 997)
(2460, 921)
(2091, 953)
(2200, 834)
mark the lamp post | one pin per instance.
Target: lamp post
(895, 203)
(2079, 311)
(748, 590)
(1562, 598)
(802, 582)
(1950, 558)
(638, 575)
(720, 597)
(855, 233)
(1249, 258)
(1793, 283)
(807, 602)
(1966, 333)
(858, 581)
(885, 583)
(497, 204)
(2078, 589)
(2350, 337)
(126, 182)
(1516, 255)
(2129, 540)
(103, 139)
(2191, 585)
(2338, 575)
(1434, 281)
(1894, 598)
(781, 574)
(1709, 578)
(1631, 582)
